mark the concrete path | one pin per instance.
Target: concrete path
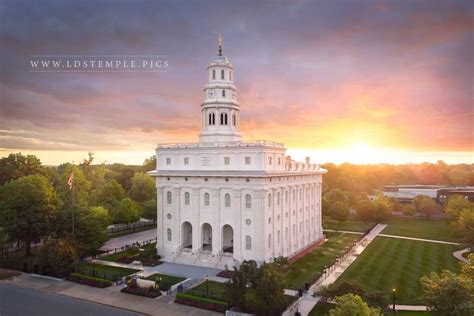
(308, 301)
(415, 308)
(110, 296)
(343, 231)
(459, 255)
(421, 239)
(119, 242)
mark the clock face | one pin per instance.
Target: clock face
(211, 94)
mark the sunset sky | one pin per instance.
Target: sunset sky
(356, 81)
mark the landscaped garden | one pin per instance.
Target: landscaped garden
(146, 254)
(322, 309)
(420, 228)
(389, 263)
(165, 281)
(307, 269)
(209, 295)
(103, 271)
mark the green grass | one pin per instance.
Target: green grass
(350, 225)
(420, 228)
(170, 279)
(398, 263)
(210, 289)
(103, 271)
(322, 309)
(312, 264)
(127, 253)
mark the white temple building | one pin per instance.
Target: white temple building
(222, 200)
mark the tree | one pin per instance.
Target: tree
(409, 209)
(364, 207)
(448, 293)
(143, 187)
(251, 271)
(28, 208)
(129, 211)
(336, 204)
(57, 256)
(149, 163)
(426, 205)
(466, 224)
(236, 288)
(269, 290)
(381, 208)
(3, 240)
(352, 305)
(91, 229)
(16, 166)
(455, 204)
(149, 209)
(109, 195)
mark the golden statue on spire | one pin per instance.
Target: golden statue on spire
(219, 41)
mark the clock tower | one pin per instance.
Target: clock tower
(220, 112)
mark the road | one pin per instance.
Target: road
(16, 300)
(129, 239)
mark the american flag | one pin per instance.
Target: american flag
(70, 180)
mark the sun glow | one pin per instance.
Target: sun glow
(362, 153)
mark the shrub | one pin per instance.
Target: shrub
(201, 302)
(88, 280)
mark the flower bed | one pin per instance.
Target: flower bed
(146, 292)
(88, 280)
(201, 302)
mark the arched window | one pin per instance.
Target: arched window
(223, 93)
(225, 118)
(169, 199)
(269, 220)
(186, 198)
(222, 74)
(213, 74)
(169, 234)
(213, 119)
(233, 120)
(278, 198)
(294, 195)
(230, 75)
(286, 196)
(269, 240)
(269, 200)
(248, 201)
(210, 119)
(286, 233)
(248, 243)
(227, 200)
(278, 236)
(222, 118)
(207, 199)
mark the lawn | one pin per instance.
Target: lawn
(322, 309)
(210, 289)
(420, 228)
(129, 252)
(355, 226)
(399, 263)
(312, 264)
(103, 271)
(166, 280)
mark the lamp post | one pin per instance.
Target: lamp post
(393, 298)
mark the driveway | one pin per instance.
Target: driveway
(16, 300)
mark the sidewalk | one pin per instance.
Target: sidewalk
(421, 239)
(121, 241)
(308, 301)
(459, 254)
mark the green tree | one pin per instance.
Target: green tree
(409, 209)
(149, 209)
(236, 288)
(56, 257)
(91, 229)
(352, 305)
(150, 163)
(3, 239)
(129, 211)
(448, 293)
(455, 204)
(381, 208)
(336, 203)
(426, 206)
(363, 207)
(251, 271)
(16, 166)
(269, 290)
(109, 195)
(143, 187)
(466, 225)
(28, 208)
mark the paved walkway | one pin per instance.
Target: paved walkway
(121, 241)
(459, 255)
(343, 231)
(421, 239)
(409, 308)
(308, 301)
(110, 296)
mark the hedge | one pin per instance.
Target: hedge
(88, 280)
(201, 302)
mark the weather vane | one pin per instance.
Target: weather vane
(219, 40)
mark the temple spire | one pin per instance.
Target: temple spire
(219, 40)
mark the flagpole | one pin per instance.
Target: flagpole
(73, 214)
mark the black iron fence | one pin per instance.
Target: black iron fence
(129, 227)
(125, 247)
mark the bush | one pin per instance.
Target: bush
(88, 280)
(225, 274)
(201, 302)
(146, 292)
